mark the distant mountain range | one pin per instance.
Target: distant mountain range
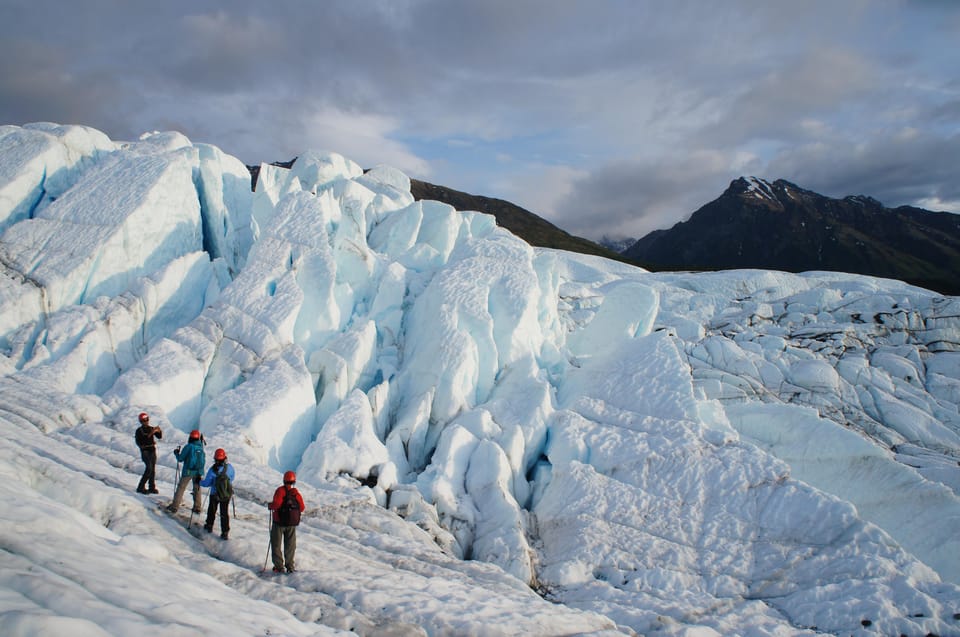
(781, 226)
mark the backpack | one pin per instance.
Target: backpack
(222, 485)
(289, 512)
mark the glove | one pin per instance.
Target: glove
(177, 451)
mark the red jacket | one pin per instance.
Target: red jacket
(278, 497)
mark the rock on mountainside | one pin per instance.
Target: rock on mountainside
(780, 226)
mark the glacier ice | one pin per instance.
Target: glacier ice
(672, 451)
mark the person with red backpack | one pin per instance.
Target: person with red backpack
(146, 438)
(193, 458)
(286, 506)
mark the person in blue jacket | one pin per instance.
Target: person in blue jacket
(193, 458)
(220, 480)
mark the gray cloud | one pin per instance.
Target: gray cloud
(632, 198)
(905, 168)
(624, 118)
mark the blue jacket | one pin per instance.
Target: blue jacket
(193, 458)
(210, 479)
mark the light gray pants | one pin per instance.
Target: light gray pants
(181, 487)
(287, 535)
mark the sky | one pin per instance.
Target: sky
(607, 118)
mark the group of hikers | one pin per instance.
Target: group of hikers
(286, 506)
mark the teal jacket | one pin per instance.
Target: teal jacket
(193, 458)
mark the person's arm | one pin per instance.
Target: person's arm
(277, 499)
(208, 479)
(300, 501)
(230, 472)
(158, 432)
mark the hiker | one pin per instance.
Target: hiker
(286, 506)
(220, 480)
(146, 438)
(193, 458)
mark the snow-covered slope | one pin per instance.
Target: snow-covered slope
(492, 439)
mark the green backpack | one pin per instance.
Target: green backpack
(222, 485)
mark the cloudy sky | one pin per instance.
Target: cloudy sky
(606, 117)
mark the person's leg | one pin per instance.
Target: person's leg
(141, 488)
(211, 512)
(276, 540)
(196, 494)
(290, 547)
(151, 472)
(224, 517)
(178, 494)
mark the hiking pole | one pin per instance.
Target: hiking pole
(270, 543)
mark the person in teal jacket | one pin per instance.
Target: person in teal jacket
(193, 458)
(219, 495)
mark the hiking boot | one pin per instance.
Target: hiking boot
(141, 490)
(153, 490)
(290, 569)
(224, 535)
(277, 569)
(172, 509)
(208, 529)
(196, 510)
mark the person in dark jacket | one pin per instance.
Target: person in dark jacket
(285, 521)
(193, 458)
(219, 465)
(146, 438)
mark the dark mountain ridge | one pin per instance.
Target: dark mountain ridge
(533, 229)
(781, 226)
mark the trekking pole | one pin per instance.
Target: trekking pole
(270, 543)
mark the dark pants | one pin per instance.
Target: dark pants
(224, 506)
(149, 457)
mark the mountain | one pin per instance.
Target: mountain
(618, 245)
(531, 228)
(778, 225)
(492, 438)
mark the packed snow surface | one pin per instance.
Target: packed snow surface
(491, 439)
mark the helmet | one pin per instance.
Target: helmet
(195, 434)
(143, 417)
(289, 476)
(219, 454)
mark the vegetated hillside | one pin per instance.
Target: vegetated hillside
(533, 229)
(780, 226)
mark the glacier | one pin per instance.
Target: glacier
(492, 439)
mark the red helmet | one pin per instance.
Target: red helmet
(195, 434)
(143, 417)
(289, 477)
(219, 454)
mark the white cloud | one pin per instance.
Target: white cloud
(362, 137)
